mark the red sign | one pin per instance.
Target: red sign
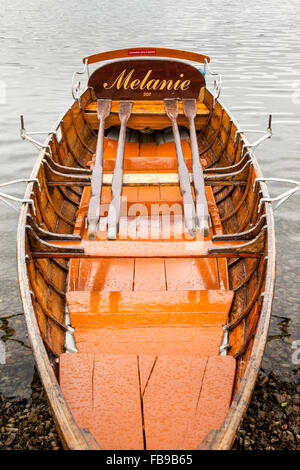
(141, 52)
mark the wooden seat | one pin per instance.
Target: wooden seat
(145, 201)
(149, 164)
(147, 274)
(184, 322)
(183, 398)
(205, 304)
(145, 113)
(174, 340)
(145, 156)
(145, 249)
(157, 227)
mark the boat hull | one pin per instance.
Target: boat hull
(252, 281)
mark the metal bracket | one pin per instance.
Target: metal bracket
(5, 196)
(217, 82)
(266, 135)
(23, 180)
(25, 135)
(208, 69)
(283, 196)
(70, 345)
(225, 342)
(217, 88)
(76, 86)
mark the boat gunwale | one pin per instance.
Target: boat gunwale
(70, 433)
(223, 438)
(170, 53)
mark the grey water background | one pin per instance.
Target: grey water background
(254, 45)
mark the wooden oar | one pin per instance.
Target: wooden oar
(203, 218)
(171, 106)
(117, 181)
(93, 217)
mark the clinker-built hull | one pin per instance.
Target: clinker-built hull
(146, 260)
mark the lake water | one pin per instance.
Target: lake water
(254, 45)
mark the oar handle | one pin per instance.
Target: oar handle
(96, 180)
(203, 217)
(171, 106)
(114, 209)
(185, 186)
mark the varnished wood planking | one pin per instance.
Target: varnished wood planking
(224, 437)
(191, 274)
(155, 107)
(105, 274)
(170, 400)
(149, 275)
(75, 378)
(155, 402)
(117, 403)
(146, 114)
(97, 302)
(214, 400)
(146, 52)
(103, 393)
(150, 339)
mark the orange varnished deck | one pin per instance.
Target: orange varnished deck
(183, 397)
(148, 327)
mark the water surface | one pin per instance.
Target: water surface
(254, 45)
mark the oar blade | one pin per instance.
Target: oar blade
(103, 111)
(92, 230)
(190, 108)
(117, 181)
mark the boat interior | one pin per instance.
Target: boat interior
(146, 256)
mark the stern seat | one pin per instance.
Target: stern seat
(136, 402)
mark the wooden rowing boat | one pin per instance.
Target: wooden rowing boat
(146, 260)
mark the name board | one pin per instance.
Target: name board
(144, 79)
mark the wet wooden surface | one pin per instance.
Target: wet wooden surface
(149, 328)
(180, 396)
(147, 113)
(42, 281)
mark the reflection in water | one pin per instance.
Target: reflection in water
(254, 45)
(283, 326)
(16, 373)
